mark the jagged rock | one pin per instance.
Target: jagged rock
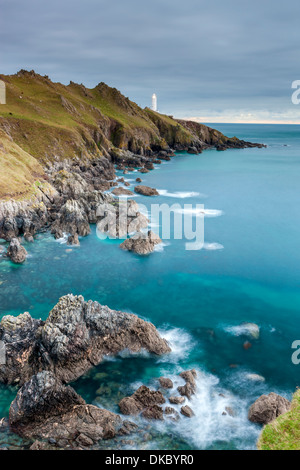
(192, 150)
(144, 170)
(120, 218)
(138, 180)
(16, 252)
(28, 237)
(153, 412)
(122, 191)
(268, 407)
(169, 410)
(165, 382)
(73, 240)
(72, 218)
(75, 337)
(189, 388)
(143, 400)
(44, 408)
(141, 243)
(186, 411)
(176, 400)
(146, 191)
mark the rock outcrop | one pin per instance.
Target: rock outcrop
(141, 243)
(119, 218)
(268, 407)
(16, 252)
(189, 388)
(146, 190)
(165, 382)
(143, 401)
(75, 337)
(122, 192)
(46, 409)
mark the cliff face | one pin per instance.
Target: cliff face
(48, 127)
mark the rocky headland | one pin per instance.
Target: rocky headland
(54, 178)
(43, 356)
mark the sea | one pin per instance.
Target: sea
(247, 270)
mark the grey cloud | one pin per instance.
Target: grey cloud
(196, 55)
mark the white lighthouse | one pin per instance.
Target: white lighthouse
(154, 102)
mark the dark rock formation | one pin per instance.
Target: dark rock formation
(165, 382)
(16, 252)
(189, 388)
(138, 180)
(141, 243)
(122, 191)
(44, 408)
(153, 412)
(146, 191)
(119, 218)
(73, 240)
(268, 407)
(143, 400)
(72, 218)
(176, 400)
(74, 338)
(186, 411)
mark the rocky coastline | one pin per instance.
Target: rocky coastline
(43, 357)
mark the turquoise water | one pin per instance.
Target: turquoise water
(196, 298)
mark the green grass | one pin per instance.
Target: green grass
(20, 173)
(284, 432)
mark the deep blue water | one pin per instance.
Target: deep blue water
(196, 298)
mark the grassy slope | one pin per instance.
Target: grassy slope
(20, 173)
(284, 432)
(52, 120)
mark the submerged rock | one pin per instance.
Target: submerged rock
(44, 408)
(141, 243)
(146, 191)
(16, 252)
(74, 338)
(268, 407)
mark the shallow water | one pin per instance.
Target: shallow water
(248, 271)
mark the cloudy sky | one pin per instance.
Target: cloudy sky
(215, 60)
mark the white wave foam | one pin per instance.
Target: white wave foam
(213, 246)
(180, 342)
(199, 212)
(63, 240)
(161, 247)
(212, 423)
(179, 194)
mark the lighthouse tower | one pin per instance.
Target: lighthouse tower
(154, 102)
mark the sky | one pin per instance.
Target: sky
(211, 60)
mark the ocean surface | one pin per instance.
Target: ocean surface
(247, 271)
